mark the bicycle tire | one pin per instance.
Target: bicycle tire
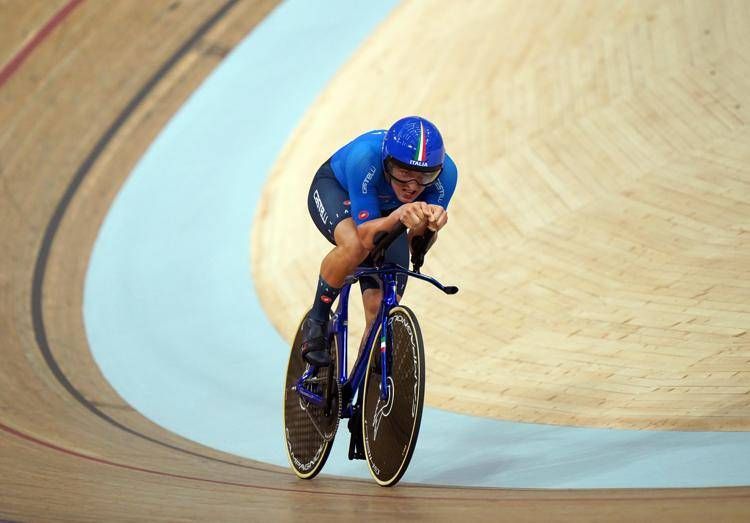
(390, 429)
(308, 430)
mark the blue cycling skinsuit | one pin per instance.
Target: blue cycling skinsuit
(352, 184)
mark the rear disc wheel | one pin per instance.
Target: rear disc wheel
(309, 429)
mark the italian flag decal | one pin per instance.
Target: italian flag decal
(420, 155)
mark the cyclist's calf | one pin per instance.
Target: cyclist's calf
(371, 299)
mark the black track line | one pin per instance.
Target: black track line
(42, 259)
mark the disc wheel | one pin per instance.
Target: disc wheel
(309, 430)
(390, 427)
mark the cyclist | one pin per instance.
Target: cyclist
(371, 184)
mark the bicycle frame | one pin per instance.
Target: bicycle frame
(338, 327)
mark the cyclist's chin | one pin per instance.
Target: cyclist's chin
(407, 196)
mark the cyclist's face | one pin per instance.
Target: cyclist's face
(407, 184)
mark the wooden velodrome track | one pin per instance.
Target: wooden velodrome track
(601, 233)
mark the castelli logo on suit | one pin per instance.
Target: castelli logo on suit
(368, 178)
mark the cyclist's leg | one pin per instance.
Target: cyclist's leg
(329, 207)
(349, 252)
(372, 293)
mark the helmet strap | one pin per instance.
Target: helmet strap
(387, 167)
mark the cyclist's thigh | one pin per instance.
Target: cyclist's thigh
(328, 202)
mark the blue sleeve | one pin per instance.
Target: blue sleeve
(361, 184)
(441, 192)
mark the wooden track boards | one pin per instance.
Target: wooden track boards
(599, 232)
(91, 457)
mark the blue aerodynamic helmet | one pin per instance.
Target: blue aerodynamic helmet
(415, 144)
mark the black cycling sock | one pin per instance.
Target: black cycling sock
(323, 300)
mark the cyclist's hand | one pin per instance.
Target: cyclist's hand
(414, 215)
(437, 217)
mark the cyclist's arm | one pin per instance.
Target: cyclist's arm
(405, 214)
(370, 228)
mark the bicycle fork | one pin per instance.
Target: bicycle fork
(390, 300)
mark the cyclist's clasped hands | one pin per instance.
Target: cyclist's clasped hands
(417, 215)
(438, 218)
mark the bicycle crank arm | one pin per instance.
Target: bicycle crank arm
(310, 396)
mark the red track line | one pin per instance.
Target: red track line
(76, 454)
(729, 494)
(8, 69)
(27, 437)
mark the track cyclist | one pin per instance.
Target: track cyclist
(371, 184)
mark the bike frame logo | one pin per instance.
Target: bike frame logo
(382, 410)
(302, 466)
(415, 362)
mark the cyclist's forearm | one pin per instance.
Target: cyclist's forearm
(369, 229)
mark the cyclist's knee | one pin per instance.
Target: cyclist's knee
(347, 239)
(354, 252)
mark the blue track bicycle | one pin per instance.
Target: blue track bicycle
(384, 395)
